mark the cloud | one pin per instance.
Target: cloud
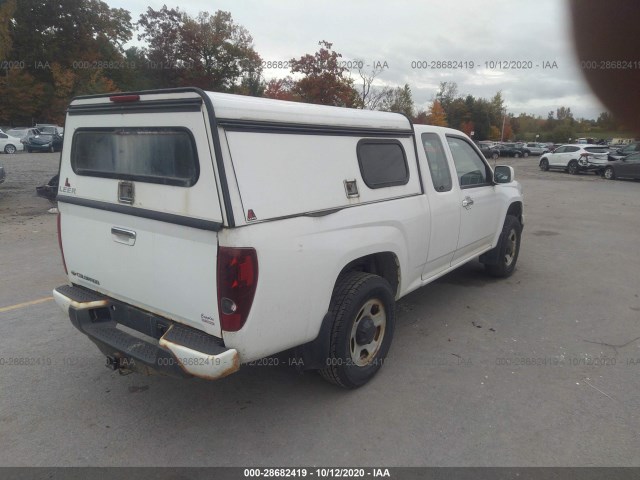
(404, 32)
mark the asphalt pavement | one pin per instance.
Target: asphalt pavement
(541, 369)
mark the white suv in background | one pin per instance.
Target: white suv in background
(9, 144)
(568, 157)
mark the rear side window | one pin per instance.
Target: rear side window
(383, 163)
(153, 155)
(437, 160)
(596, 150)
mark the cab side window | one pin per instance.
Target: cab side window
(471, 169)
(437, 160)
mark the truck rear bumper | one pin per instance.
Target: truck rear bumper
(155, 344)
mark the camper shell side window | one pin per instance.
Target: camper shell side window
(383, 163)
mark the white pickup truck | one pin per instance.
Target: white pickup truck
(201, 231)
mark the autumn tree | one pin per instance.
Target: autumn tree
(468, 128)
(80, 37)
(437, 116)
(219, 52)
(399, 100)
(281, 89)
(324, 81)
(21, 97)
(7, 10)
(370, 96)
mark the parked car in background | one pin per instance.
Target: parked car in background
(18, 132)
(488, 151)
(617, 154)
(37, 141)
(536, 148)
(627, 167)
(513, 150)
(50, 128)
(10, 144)
(567, 157)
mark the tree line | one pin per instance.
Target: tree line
(51, 51)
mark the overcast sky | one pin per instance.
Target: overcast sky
(401, 32)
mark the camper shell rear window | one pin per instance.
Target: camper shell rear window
(165, 155)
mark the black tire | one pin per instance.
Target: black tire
(544, 165)
(609, 173)
(51, 149)
(9, 149)
(359, 301)
(495, 155)
(507, 250)
(525, 154)
(573, 168)
(516, 155)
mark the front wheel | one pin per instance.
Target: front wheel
(573, 167)
(516, 155)
(609, 173)
(9, 149)
(525, 154)
(544, 165)
(495, 155)
(363, 311)
(507, 250)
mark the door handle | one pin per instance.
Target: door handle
(467, 202)
(122, 235)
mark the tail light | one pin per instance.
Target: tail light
(64, 263)
(237, 281)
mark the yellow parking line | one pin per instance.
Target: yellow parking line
(25, 304)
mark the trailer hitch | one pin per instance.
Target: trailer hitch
(121, 365)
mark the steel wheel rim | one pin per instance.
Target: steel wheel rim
(363, 354)
(608, 173)
(510, 251)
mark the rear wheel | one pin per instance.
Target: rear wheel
(544, 165)
(516, 155)
(51, 149)
(525, 154)
(9, 149)
(495, 155)
(609, 173)
(363, 311)
(573, 167)
(507, 250)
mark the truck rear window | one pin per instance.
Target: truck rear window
(154, 155)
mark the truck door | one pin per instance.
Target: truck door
(478, 203)
(443, 204)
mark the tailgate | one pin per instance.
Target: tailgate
(139, 205)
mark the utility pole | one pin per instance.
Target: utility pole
(504, 117)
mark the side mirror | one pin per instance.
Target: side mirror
(503, 174)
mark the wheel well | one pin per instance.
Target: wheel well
(384, 264)
(515, 209)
